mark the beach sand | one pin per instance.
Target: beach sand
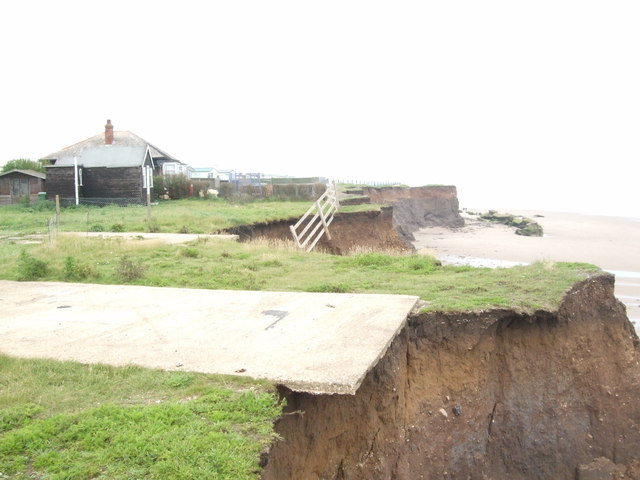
(612, 243)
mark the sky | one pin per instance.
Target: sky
(529, 105)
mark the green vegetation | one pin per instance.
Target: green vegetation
(63, 420)
(224, 264)
(524, 226)
(192, 215)
(22, 164)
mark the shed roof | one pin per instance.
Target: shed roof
(31, 173)
(106, 156)
(121, 138)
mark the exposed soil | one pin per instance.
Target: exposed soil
(391, 228)
(349, 231)
(492, 395)
(419, 207)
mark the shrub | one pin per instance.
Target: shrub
(153, 228)
(96, 228)
(44, 205)
(158, 187)
(30, 268)
(129, 270)
(176, 186)
(190, 252)
(117, 227)
(73, 270)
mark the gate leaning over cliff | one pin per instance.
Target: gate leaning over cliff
(316, 221)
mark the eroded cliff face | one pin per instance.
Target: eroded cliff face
(349, 231)
(419, 207)
(489, 395)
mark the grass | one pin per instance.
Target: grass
(175, 216)
(63, 420)
(222, 264)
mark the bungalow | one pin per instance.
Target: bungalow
(114, 167)
(17, 184)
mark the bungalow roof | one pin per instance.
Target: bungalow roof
(121, 138)
(110, 156)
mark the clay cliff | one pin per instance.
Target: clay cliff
(419, 207)
(349, 231)
(490, 395)
(404, 211)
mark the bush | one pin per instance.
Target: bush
(153, 227)
(117, 228)
(30, 268)
(176, 186)
(43, 205)
(96, 228)
(158, 187)
(73, 270)
(129, 270)
(190, 252)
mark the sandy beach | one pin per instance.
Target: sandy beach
(612, 243)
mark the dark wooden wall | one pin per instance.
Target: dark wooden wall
(103, 182)
(60, 182)
(35, 184)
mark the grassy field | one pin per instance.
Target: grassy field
(175, 216)
(62, 420)
(224, 264)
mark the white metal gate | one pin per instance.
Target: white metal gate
(316, 221)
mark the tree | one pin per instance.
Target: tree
(22, 164)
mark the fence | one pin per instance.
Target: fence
(315, 225)
(375, 183)
(43, 220)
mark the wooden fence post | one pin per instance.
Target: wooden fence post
(57, 210)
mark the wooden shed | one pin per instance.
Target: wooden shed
(17, 184)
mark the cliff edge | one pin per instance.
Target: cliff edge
(496, 394)
(419, 207)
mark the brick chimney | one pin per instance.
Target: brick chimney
(108, 133)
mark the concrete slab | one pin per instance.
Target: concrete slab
(313, 342)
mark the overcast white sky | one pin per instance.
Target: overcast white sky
(519, 104)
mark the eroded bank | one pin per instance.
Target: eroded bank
(498, 394)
